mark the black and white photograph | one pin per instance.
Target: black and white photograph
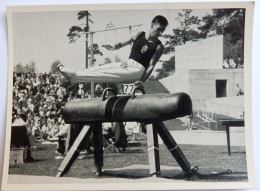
(129, 97)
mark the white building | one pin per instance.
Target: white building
(199, 72)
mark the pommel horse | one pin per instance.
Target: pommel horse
(146, 108)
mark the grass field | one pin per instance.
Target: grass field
(208, 158)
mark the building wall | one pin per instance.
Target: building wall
(198, 66)
(232, 106)
(202, 83)
(178, 82)
(203, 54)
(201, 86)
(203, 91)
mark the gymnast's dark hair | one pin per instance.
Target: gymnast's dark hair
(160, 19)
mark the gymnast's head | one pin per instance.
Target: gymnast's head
(158, 25)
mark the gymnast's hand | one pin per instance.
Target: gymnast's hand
(139, 84)
(108, 47)
(116, 47)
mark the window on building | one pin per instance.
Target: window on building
(221, 88)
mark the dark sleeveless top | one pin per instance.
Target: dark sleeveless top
(143, 50)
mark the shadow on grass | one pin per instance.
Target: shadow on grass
(38, 160)
(139, 173)
(14, 166)
(39, 149)
(210, 177)
(207, 156)
(176, 175)
(112, 174)
(234, 152)
(31, 162)
(134, 151)
(221, 175)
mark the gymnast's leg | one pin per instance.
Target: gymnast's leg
(117, 72)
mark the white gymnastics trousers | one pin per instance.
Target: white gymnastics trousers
(118, 72)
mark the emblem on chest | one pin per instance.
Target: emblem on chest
(144, 49)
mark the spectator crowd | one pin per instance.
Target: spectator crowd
(38, 98)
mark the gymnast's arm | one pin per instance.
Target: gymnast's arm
(127, 42)
(154, 60)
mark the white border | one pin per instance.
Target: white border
(191, 185)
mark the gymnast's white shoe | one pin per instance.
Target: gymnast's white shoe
(65, 72)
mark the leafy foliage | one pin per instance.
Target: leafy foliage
(76, 32)
(167, 69)
(96, 49)
(187, 31)
(28, 68)
(83, 14)
(107, 60)
(227, 22)
(231, 24)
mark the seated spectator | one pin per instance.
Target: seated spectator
(29, 132)
(61, 137)
(60, 93)
(36, 130)
(63, 129)
(120, 135)
(81, 91)
(98, 90)
(45, 130)
(87, 95)
(54, 128)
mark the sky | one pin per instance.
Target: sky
(41, 37)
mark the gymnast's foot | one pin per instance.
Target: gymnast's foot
(65, 72)
(60, 66)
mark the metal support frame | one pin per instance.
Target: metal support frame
(152, 141)
(73, 152)
(153, 150)
(152, 147)
(98, 146)
(173, 147)
(157, 128)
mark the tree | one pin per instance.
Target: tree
(28, 68)
(96, 51)
(233, 51)
(168, 67)
(231, 24)
(227, 22)
(161, 73)
(188, 24)
(107, 61)
(187, 31)
(18, 68)
(31, 67)
(75, 32)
